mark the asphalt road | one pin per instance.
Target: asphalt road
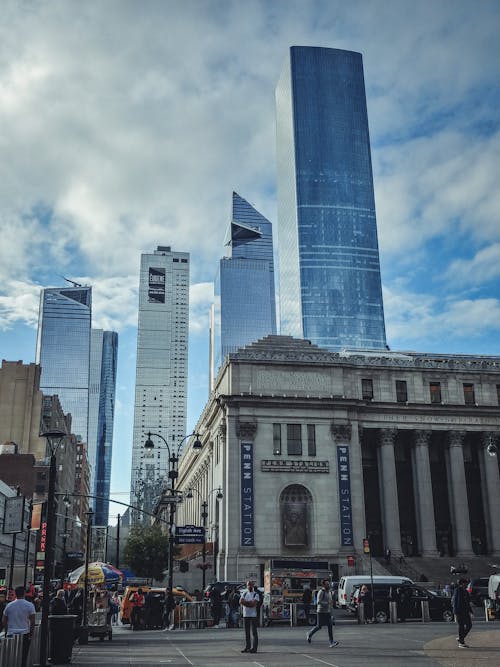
(412, 644)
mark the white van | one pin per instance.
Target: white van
(347, 584)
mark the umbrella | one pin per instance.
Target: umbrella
(98, 573)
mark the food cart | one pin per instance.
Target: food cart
(284, 584)
(98, 615)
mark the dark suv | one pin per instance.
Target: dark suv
(221, 585)
(439, 607)
(478, 590)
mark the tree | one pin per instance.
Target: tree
(146, 551)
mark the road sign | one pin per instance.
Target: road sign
(13, 518)
(189, 534)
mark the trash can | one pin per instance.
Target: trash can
(61, 638)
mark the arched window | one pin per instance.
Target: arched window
(295, 506)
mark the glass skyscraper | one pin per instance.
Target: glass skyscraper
(102, 389)
(329, 271)
(161, 371)
(245, 308)
(63, 350)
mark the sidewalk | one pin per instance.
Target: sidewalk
(484, 650)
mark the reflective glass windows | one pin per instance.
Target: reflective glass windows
(328, 245)
(469, 395)
(401, 391)
(294, 439)
(435, 391)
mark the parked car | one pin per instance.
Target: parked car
(440, 608)
(478, 590)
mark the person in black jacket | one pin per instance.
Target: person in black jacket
(58, 605)
(463, 611)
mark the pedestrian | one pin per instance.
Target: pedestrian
(215, 606)
(306, 602)
(365, 596)
(138, 601)
(463, 611)
(115, 605)
(19, 619)
(249, 600)
(324, 607)
(170, 609)
(58, 605)
(234, 608)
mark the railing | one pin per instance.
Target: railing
(193, 615)
(11, 650)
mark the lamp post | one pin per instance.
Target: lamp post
(171, 499)
(204, 517)
(84, 632)
(54, 439)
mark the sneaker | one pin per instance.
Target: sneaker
(308, 637)
(462, 645)
(333, 644)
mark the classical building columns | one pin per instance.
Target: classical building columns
(491, 495)
(457, 489)
(389, 490)
(424, 502)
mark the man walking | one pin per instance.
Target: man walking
(19, 619)
(463, 611)
(324, 606)
(249, 601)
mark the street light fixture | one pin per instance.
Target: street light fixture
(172, 498)
(54, 438)
(204, 517)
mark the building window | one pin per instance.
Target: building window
(277, 439)
(435, 390)
(469, 396)
(295, 506)
(293, 440)
(367, 389)
(401, 391)
(311, 440)
(498, 394)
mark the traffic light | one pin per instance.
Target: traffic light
(183, 566)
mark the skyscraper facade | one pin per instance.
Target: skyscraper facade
(329, 271)
(245, 308)
(161, 372)
(63, 350)
(102, 389)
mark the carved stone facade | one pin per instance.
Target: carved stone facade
(407, 472)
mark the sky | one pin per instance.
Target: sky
(127, 124)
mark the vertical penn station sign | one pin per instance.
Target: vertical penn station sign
(156, 285)
(345, 503)
(247, 495)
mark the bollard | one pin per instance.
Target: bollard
(425, 611)
(393, 611)
(361, 612)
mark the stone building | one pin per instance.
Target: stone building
(315, 450)
(20, 407)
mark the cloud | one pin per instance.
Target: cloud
(423, 319)
(201, 296)
(19, 304)
(482, 268)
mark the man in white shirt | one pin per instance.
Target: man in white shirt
(19, 619)
(249, 601)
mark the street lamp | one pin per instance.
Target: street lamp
(84, 631)
(172, 498)
(204, 517)
(54, 439)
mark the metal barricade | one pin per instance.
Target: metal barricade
(11, 650)
(425, 611)
(193, 615)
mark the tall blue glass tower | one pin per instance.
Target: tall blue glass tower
(102, 389)
(63, 350)
(244, 287)
(329, 271)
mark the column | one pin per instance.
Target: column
(491, 483)
(424, 503)
(389, 491)
(459, 504)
